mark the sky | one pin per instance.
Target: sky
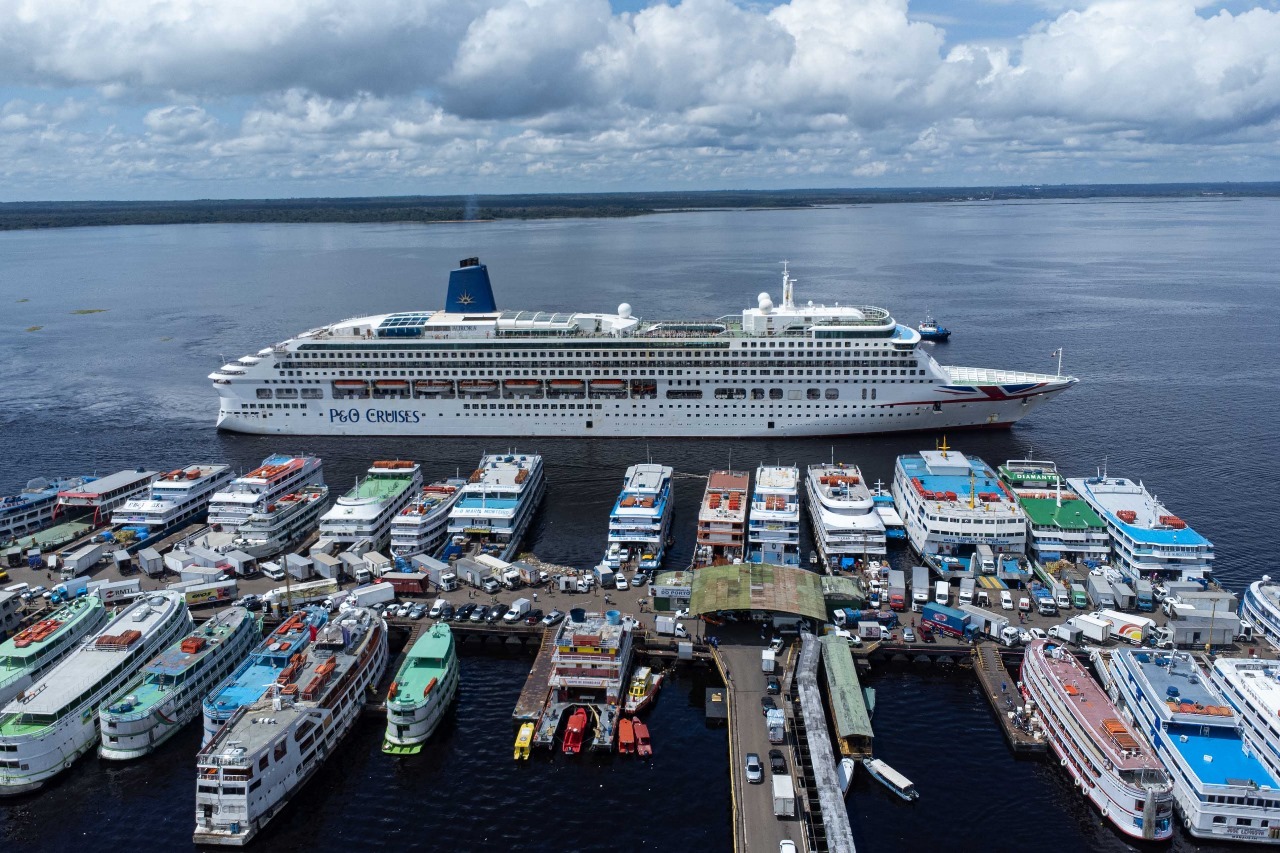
(173, 99)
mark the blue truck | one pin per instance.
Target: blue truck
(946, 619)
(1043, 598)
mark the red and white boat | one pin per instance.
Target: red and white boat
(574, 732)
(643, 747)
(1112, 767)
(643, 690)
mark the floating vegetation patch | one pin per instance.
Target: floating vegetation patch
(88, 310)
(24, 299)
(34, 328)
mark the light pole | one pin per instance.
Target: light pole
(1213, 614)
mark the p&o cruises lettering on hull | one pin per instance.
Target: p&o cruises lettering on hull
(472, 370)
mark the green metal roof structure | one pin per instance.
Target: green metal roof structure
(757, 586)
(848, 705)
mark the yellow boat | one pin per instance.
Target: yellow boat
(523, 740)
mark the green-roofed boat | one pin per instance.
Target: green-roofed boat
(422, 691)
(31, 651)
(1060, 525)
(167, 693)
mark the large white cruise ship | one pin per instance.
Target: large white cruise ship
(773, 519)
(55, 720)
(278, 475)
(470, 369)
(365, 512)
(271, 747)
(847, 524)
(497, 504)
(177, 498)
(1218, 783)
(1149, 540)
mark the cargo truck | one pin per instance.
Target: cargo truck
(947, 620)
(984, 622)
(116, 591)
(897, 589)
(966, 590)
(376, 593)
(919, 587)
(1091, 627)
(941, 593)
(1144, 596)
(1079, 596)
(81, 560)
(668, 626)
(776, 722)
(1100, 592)
(1130, 629)
(871, 631)
(517, 611)
(1125, 597)
(209, 593)
(302, 593)
(784, 797)
(766, 660)
(1044, 602)
(1061, 596)
(1067, 632)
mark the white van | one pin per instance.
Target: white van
(273, 571)
(438, 608)
(1006, 600)
(941, 593)
(18, 588)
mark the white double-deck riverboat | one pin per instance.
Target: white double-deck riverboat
(277, 527)
(26, 655)
(55, 720)
(422, 526)
(470, 369)
(641, 517)
(271, 747)
(497, 504)
(174, 499)
(365, 513)
(277, 476)
(847, 524)
(773, 521)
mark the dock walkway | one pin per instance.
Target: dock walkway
(534, 695)
(830, 827)
(1002, 692)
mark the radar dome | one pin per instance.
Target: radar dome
(624, 310)
(764, 301)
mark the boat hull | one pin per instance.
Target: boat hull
(987, 406)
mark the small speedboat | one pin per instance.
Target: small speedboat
(891, 779)
(626, 737)
(643, 746)
(523, 740)
(931, 330)
(575, 731)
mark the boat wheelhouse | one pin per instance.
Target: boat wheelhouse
(278, 475)
(953, 503)
(469, 369)
(272, 746)
(847, 524)
(167, 693)
(773, 519)
(54, 721)
(422, 526)
(1149, 541)
(640, 520)
(365, 513)
(1107, 762)
(496, 506)
(722, 518)
(1060, 526)
(1220, 787)
(174, 499)
(26, 655)
(422, 691)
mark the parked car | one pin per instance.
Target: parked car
(496, 612)
(621, 581)
(1038, 634)
(417, 611)
(478, 614)
(926, 634)
(767, 704)
(403, 611)
(533, 617)
(908, 635)
(446, 612)
(755, 772)
(640, 579)
(777, 764)
(773, 686)
(552, 618)
(786, 845)
(464, 612)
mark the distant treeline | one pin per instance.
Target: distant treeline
(68, 214)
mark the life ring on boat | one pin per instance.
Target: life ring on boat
(1186, 823)
(1104, 811)
(1063, 762)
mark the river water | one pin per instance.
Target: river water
(1165, 310)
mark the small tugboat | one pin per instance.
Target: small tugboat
(930, 330)
(523, 740)
(626, 737)
(575, 731)
(643, 747)
(891, 779)
(643, 690)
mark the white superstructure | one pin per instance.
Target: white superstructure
(847, 522)
(773, 520)
(1148, 539)
(1260, 605)
(55, 721)
(1252, 688)
(422, 526)
(640, 520)
(952, 503)
(276, 527)
(278, 475)
(365, 512)
(272, 746)
(32, 509)
(1220, 787)
(470, 369)
(174, 499)
(496, 506)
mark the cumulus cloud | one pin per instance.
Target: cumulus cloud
(320, 96)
